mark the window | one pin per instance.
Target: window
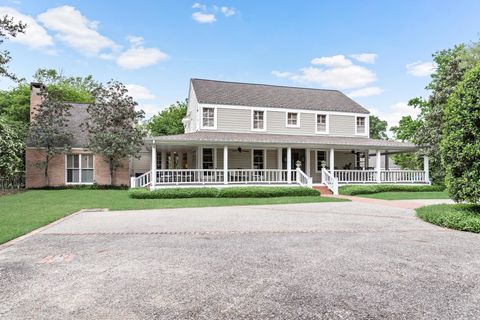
(258, 159)
(208, 118)
(159, 160)
(322, 123)
(258, 121)
(321, 159)
(360, 125)
(293, 119)
(79, 168)
(208, 158)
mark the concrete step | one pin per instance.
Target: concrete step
(323, 189)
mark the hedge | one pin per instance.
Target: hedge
(84, 187)
(369, 189)
(464, 217)
(230, 192)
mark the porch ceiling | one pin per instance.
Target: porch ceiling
(205, 138)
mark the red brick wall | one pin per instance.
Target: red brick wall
(35, 175)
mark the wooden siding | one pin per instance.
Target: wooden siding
(341, 125)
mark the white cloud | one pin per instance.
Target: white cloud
(200, 6)
(140, 57)
(35, 35)
(202, 17)
(365, 57)
(227, 11)
(138, 92)
(135, 40)
(337, 61)
(75, 30)
(394, 113)
(335, 72)
(366, 92)
(421, 69)
(150, 109)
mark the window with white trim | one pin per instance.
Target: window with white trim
(79, 168)
(258, 159)
(208, 158)
(292, 119)
(321, 158)
(258, 119)
(321, 123)
(361, 125)
(208, 117)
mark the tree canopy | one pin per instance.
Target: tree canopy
(169, 121)
(8, 28)
(378, 128)
(460, 145)
(406, 131)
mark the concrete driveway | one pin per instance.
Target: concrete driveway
(302, 261)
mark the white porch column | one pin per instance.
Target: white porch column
(426, 168)
(332, 161)
(387, 161)
(164, 160)
(199, 158)
(225, 165)
(367, 159)
(279, 159)
(307, 162)
(378, 160)
(289, 165)
(153, 167)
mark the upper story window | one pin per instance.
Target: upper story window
(258, 120)
(322, 126)
(79, 169)
(293, 119)
(208, 118)
(360, 126)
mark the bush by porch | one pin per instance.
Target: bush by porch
(354, 190)
(233, 192)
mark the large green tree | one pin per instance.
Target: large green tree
(169, 121)
(460, 145)
(378, 128)
(8, 28)
(11, 150)
(113, 125)
(405, 131)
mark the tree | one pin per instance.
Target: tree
(112, 125)
(169, 121)
(11, 150)
(47, 130)
(460, 145)
(406, 131)
(378, 128)
(8, 28)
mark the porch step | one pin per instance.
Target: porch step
(323, 190)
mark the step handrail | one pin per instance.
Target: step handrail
(330, 181)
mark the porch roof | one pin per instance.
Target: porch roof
(202, 138)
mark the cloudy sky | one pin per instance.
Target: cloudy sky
(377, 52)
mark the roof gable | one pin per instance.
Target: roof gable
(262, 95)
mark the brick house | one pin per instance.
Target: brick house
(80, 166)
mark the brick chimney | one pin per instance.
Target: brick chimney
(35, 98)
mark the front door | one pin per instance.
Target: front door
(297, 155)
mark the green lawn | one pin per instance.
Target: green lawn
(464, 217)
(26, 211)
(407, 195)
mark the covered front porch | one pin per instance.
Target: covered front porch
(191, 164)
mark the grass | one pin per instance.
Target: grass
(464, 217)
(407, 195)
(26, 211)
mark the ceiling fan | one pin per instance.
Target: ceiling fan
(240, 150)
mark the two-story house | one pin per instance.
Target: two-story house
(243, 133)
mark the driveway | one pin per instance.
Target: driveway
(302, 261)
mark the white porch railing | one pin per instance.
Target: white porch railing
(386, 176)
(268, 176)
(330, 181)
(141, 181)
(302, 179)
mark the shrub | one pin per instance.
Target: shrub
(464, 217)
(84, 187)
(369, 189)
(233, 192)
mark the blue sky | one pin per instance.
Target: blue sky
(378, 52)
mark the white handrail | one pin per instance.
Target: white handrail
(141, 181)
(386, 176)
(302, 178)
(330, 181)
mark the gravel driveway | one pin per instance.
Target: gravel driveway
(302, 261)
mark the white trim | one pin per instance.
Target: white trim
(292, 125)
(339, 113)
(215, 118)
(327, 123)
(316, 158)
(79, 169)
(367, 126)
(264, 157)
(264, 119)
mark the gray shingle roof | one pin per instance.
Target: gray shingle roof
(262, 95)
(221, 138)
(78, 115)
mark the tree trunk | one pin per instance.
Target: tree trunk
(111, 171)
(46, 171)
